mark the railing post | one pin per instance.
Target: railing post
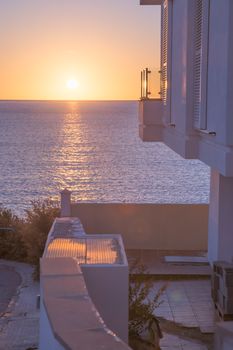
(65, 203)
(147, 82)
(142, 85)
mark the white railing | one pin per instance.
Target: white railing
(150, 84)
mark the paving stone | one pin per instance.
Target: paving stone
(188, 301)
(190, 305)
(194, 347)
(20, 326)
(169, 340)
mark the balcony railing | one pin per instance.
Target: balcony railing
(150, 84)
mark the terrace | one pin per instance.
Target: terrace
(84, 288)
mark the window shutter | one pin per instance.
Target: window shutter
(201, 34)
(164, 52)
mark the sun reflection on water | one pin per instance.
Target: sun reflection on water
(93, 149)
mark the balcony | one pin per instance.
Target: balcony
(150, 106)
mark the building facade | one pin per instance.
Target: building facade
(194, 116)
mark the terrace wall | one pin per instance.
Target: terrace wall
(148, 226)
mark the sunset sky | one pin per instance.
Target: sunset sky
(76, 49)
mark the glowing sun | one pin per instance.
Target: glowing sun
(72, 84)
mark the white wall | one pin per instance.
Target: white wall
(148, 226)
(179, 65)
(219, 116)
(47, 338)
(224, 336)
(68, 315)
(150, 119)
(180, 134)
(220, 240)
(108, 289)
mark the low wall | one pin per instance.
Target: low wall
(224, 336)
(68, 318)
(148, 226)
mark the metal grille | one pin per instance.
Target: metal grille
(87, 250)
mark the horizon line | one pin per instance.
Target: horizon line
(52, 100)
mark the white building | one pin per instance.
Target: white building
(194, 116)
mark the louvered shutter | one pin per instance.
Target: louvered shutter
(166, 58)
(164, 52)
(200, 63)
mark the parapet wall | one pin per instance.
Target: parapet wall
(84, 290)
(148, 226)
(68, 318)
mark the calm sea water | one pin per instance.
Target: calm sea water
(93, 149)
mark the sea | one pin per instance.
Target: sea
(93, 149)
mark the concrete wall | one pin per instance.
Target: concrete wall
(68, 317)
(179, 70)
(220, 218)
(148, 226)
(108, 288)
(214, 146)
(150, 120)
(47, 336)
(224, 336)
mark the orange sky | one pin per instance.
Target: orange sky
(103, 44)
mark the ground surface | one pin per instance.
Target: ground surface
(19, 317)
(186, 315)
(9, 282)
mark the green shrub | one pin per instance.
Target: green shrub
(142, 304)
(27, 239)
(11, 242)
(38, 221)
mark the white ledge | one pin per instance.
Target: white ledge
(151, 2)
(71, 313)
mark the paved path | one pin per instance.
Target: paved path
(9, 282)
(155, 262)
(187, 314)
(19, 323)
(187, 303)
